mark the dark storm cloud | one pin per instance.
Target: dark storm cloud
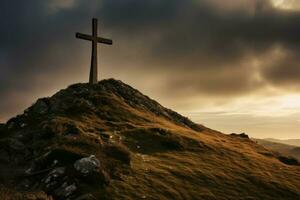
(205, 46)
(285, 71)
(196, 37)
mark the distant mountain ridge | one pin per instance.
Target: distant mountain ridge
(109, 141)
(294, 142)
(285, 149)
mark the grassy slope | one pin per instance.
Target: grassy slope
(224, 168)
(172, 161)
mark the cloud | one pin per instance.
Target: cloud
(191, 48)
(283, 68)
(57, 5)
(287, 4)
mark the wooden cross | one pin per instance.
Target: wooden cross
(95, 39)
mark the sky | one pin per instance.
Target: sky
(232, 65)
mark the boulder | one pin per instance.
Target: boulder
(241, 135)
(87, 165)
(53, 178)
(40, 107)
(65, 190)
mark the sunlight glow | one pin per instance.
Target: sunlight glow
(276, 106)
(287, 4)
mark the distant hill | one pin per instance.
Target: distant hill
(294, 142)
(109, 141)
(285, 149)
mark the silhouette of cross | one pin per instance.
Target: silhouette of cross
(95, 39)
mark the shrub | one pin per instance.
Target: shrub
(118, 151)
(288, 160)
(63, 156)
(242, 135)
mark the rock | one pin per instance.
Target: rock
(40, 107)
(81, 92)
(11, 124)
(53, 177)
(17, 145)
(22, 125)
(242, 135)
(65, 190)
(87, 165)
(70, 189)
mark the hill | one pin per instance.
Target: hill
(109, 141)
(293, 142)
(285, 149)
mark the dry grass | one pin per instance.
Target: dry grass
(148, 156)
(224, 169)
(11, 194)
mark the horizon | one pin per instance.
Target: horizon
(233, 67)
(187, 114)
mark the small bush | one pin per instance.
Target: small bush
(118, 151)
(172, 142)
(60, 126)
(288, 160)
(63, 156)
(153, 140)
(242, 135)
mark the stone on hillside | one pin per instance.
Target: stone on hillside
(52, 179)
(81, 92)
(65, 190)
(70, 189)
(17, 145)
(40, 107)
(87, 165)
(242, 135)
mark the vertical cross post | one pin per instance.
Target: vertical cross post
(94, 61)
(95, 39)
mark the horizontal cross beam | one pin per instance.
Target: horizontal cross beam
(91, 38)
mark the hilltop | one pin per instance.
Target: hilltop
(109, 141)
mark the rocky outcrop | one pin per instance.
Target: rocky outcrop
(241, 135)
(87, 165)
